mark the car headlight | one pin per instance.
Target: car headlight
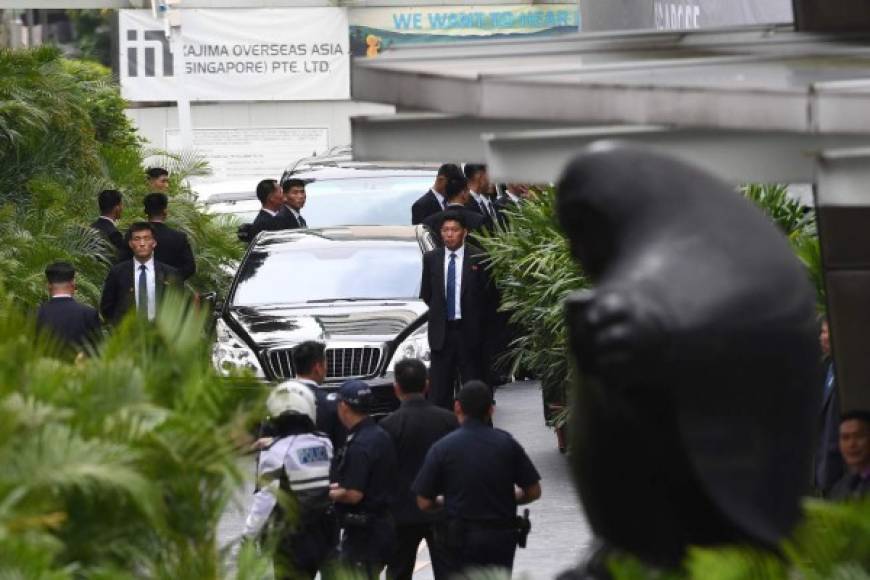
(415, 346)
(230, 353)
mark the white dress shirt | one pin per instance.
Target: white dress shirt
(108, 219)
(439, 197)
(269, 211)
(460, 253)
(151, 281)
(513, 197)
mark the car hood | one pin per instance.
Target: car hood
(370, 321)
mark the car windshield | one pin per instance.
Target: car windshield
(355, 201)
(368, 201)
(314, 271)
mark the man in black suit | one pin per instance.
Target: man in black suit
(478, 191)
(173, 247)
(456, 193)
(434, 200)
(138, 283)
(271, 198)
(414, 427)
(456, 287)
(294, 201)
(513, 196)
(110, 203)
(74, 324)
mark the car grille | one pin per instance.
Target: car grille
(341, 363)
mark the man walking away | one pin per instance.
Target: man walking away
(173, 247)
(483, 474)
(414, 427)
(73, 323)
(363, 487)
(138, 283)
(829, 466)
(434, 200)
(110, 203)
(456, 193)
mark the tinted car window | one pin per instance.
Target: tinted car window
(367, 201)
(304, 272)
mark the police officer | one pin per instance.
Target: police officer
(363, 486)
(482, 474)
(296, 461)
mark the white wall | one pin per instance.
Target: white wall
(335, 115)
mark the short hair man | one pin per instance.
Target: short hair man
(138, 283)
(363, 488)
(456, 194)
(294, 201)
(414, 428)
(478, 189)
(73, 323)
(456, 287)
(482, 474)
(110, 203)
(173, 246)
(855, 449)
(434, 200)
(309, 363)
(271, 198)
(158, 179)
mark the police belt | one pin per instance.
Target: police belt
(500, 524)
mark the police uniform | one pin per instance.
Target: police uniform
(367, 463)
(475, 468)
(298, 464)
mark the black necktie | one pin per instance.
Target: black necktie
(142, 307)
(302, 221)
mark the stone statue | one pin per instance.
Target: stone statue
(698, 357)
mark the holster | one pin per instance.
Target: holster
(524, 526)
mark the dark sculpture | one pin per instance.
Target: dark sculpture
(698, 357)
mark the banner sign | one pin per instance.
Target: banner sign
(282, 54)
(376, 29)
(694, 14)
(236, 153)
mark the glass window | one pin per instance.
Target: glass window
(363, 201)
(318, 271)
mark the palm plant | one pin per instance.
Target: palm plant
(118, 465)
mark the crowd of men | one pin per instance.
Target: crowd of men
(149, 259)
(368, 493)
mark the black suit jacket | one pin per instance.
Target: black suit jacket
(173, 249)
(72, 322)
(475, 296)
(475, 221)
(426, 205)
(111, 233)
(119, 293)
(290, 221)
(264, 222)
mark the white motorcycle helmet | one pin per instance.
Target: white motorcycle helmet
(292, 397)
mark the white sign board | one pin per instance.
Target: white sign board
(281, 54)
(255, 153)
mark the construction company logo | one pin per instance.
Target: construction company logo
(144, 49)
